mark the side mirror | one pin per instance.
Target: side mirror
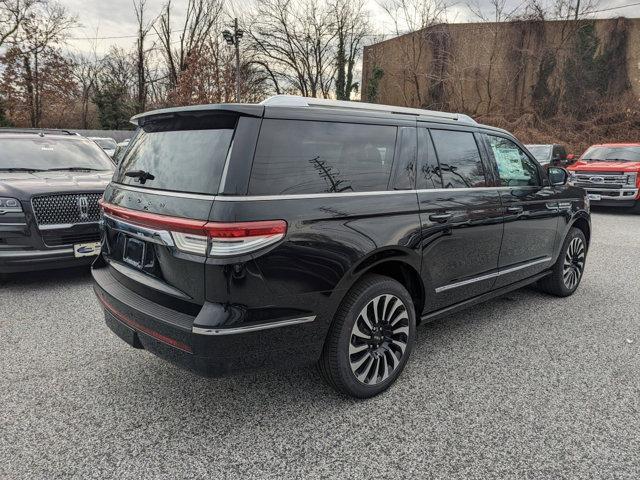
(558, 176)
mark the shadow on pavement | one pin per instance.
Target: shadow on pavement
(47, 277)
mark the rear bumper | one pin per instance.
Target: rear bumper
(172, 336)
(13, 261)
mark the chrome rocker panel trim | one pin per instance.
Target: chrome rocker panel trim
(252, 328)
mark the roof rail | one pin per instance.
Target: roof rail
(40, 131)
(295, 101)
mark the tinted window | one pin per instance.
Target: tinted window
(184, 153)
(405, 162)
(541, 152)
(515, 168)
(613, 153)
(46, 153)
(317, 157)
(429, 176)
(459, 159)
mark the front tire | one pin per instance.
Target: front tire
(569, 268)
(370, 339)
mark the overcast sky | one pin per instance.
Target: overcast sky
(115, 18)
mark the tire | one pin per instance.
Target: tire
(380, 339)
(568, 270)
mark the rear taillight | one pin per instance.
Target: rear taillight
(198, 236)
(229, 239)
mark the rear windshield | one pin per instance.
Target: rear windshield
(51, 153)
(318, 157)
(184, 153)
(542, 153)
(608, 154)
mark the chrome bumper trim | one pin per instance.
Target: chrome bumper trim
(161, 237)
(252, 328)
(60, 226)
(620, 193)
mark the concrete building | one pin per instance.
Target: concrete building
(520, 66)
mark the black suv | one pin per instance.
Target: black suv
(303, 230)
(50, 184)
(550, 155)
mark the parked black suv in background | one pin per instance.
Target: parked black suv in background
(50, 184)
(551, 155)
(303, 230)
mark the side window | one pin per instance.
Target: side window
(405, 163)
(459, 159)
(318, 157)
(429, 171)
(515, 168)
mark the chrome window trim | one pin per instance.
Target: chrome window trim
(491, 275)
(252, 328)
(167, 193)
(294, 196)
(59, 226)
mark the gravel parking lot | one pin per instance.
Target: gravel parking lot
(524, 386)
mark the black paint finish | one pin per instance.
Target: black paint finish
(448, 246)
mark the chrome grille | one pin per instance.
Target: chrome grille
(603, 179)
(66, 209)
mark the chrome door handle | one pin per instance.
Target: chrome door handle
(440, 217)
(515, 209)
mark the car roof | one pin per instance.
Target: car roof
(616, 145)
(32, 133)
(353, 109)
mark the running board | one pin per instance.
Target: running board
(482, 298)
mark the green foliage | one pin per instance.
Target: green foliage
(374, 84)
(114, 105)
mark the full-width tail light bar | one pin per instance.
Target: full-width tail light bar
(195, 236)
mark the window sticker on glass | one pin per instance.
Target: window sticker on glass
(515, 168)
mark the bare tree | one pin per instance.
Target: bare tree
(420, 16)
(144, 27)
(200, 18)
(85, 72)
(351, 26)
(12, 14)
(292, 41)
(46, 26)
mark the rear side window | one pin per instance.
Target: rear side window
(429, 175)
(185, 153)
(318, 157)
(459, 159)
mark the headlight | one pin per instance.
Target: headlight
(9, 205)
(632, 178)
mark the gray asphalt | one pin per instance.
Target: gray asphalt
(524, 386)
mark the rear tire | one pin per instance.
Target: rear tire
(568, 270)
(370, 339)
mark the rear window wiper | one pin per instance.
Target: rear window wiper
(21, 169)
(141, 175)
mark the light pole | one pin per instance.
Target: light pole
(233, 38)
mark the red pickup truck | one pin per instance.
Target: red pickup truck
(610, 173)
